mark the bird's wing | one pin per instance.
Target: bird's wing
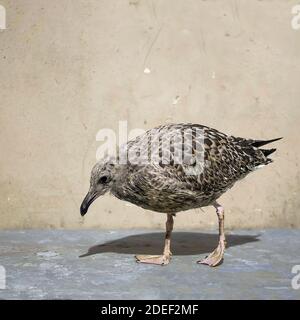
(191, 156)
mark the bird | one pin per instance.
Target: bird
(176, 167)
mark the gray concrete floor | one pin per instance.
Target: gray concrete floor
(46, 265)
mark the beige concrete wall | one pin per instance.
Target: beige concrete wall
(69, 68)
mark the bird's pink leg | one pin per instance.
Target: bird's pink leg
(216, 256)
(165, 258)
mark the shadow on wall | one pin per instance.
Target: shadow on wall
(183, 243)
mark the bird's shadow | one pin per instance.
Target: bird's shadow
(183, 243)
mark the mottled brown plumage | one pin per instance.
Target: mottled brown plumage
(177, 167)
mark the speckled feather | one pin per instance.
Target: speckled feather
(170, 187)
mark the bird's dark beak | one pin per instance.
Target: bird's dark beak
(87, 201)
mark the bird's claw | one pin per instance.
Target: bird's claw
(150, 259)
(216, 257)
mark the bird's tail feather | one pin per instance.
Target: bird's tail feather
(260, 143)
(267, 152)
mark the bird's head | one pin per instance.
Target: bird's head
(102, 177)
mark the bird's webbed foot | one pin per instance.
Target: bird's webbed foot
(151, 259)
(215, 258)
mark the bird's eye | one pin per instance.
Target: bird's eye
(103, 179)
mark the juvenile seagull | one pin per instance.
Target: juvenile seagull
(177, 167)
